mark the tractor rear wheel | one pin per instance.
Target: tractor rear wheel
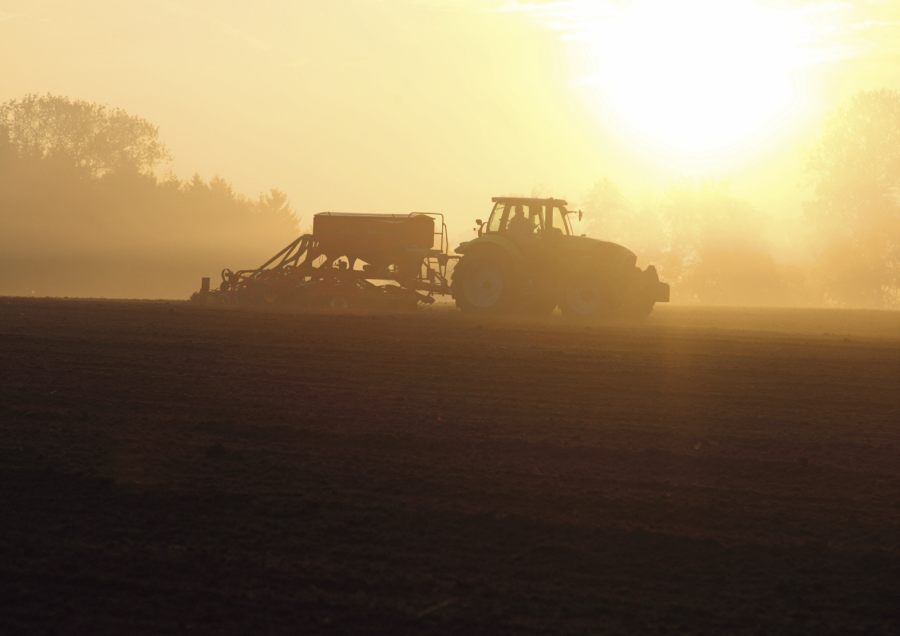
(586, 297)
(483, 284)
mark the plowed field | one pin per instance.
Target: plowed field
(171, 468)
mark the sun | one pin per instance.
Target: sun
(696, 75)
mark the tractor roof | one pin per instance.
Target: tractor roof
(550, 201)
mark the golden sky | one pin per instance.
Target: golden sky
(437, 105)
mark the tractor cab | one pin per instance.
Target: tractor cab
(522, 218)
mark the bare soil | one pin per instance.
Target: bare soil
(174, 468)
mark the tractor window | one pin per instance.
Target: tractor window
(496, 222)
(560, 228)
(536, 215)
(517, 213)
(523, 220)
(510, 216)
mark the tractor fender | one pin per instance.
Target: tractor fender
(492, 242)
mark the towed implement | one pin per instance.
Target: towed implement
(525, 260)
(335, 266)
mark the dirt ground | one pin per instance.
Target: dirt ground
(171, 468)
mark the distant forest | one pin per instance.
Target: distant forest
(83, 211)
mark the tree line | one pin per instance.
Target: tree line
(81, 191)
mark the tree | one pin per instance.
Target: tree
(854, 167)
(79, 182)
(6, 148)
(607, 205)
(76, 133)
(277, 207)
(704, 240)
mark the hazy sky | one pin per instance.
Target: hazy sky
(377, 105)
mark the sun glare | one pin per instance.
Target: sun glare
(699, 75)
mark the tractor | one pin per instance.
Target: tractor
(526, 259)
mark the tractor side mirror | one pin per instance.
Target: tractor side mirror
(480, 224)
(579, 215)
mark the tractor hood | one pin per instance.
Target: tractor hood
(575, 246)
(603, 251)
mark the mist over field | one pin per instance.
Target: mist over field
(88, 210)
(761, 175)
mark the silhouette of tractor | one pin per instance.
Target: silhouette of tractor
(527, 260)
